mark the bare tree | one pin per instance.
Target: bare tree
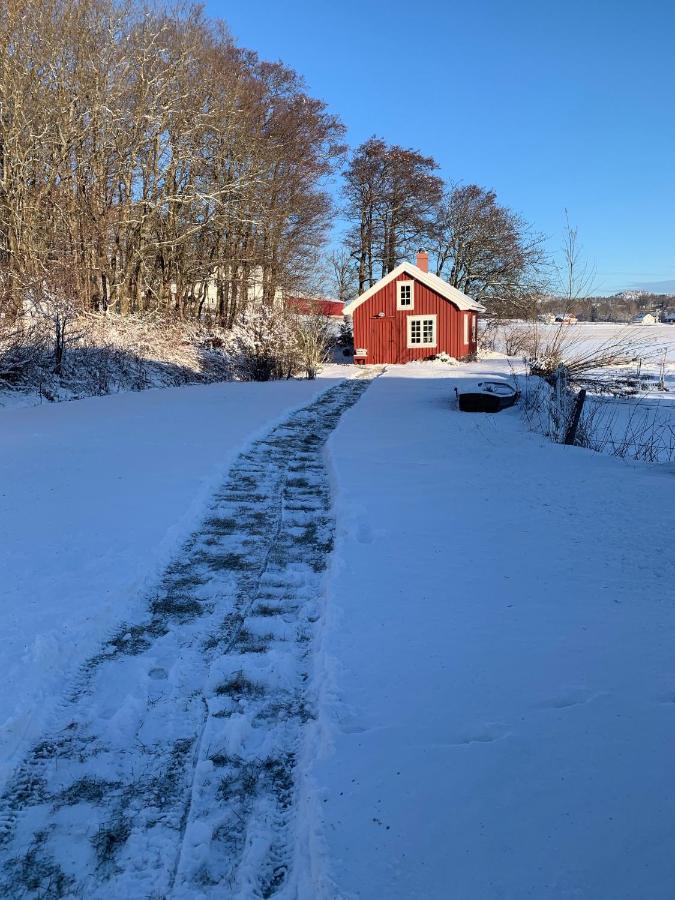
(152, 157)
(575, 274)
(342, 275)
(487, 251)
(391, 195)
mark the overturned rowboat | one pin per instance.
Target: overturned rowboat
(487, 396)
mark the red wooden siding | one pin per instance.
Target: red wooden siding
(316, 306)
(386, 337)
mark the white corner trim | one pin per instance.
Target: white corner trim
(433, 282)
(411, 285)
(421, 318)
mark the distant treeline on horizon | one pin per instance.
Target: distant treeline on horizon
(616, 308)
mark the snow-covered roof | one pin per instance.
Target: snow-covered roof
(433, 282)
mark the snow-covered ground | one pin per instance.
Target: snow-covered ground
(96, 495)
(497, 663)
(476, 700)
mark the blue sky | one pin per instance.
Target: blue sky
(554, 106)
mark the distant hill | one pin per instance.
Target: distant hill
(644, 295)
(658, 287)
(620, 307)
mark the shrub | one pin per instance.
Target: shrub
(312, 339)
(263, 344)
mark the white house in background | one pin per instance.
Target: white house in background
(643, 319)
(208, 291)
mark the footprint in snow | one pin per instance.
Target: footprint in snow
(572, 697)
(483, 734)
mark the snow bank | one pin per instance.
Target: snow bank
(95, 497)
(498, 681)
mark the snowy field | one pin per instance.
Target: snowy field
(658, 342)
(633, 414)
(388, 650)
(96, 497)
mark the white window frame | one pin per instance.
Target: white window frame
(429, 317)
(408, 306)
(467, 316)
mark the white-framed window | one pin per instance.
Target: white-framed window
(421, 331)
(467, 316)
(405, 295)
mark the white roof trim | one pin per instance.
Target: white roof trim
(433, 282)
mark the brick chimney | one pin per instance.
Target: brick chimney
(423, 260)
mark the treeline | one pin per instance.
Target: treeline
(396, 202)
(149, 164)
(143, 153)
(610, 309)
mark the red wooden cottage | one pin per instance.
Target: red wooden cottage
(411, 314)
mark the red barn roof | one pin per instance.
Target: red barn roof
(322, 306)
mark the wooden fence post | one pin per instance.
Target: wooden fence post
(571, 434)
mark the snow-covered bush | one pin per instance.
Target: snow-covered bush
(313, 340)
(24, 351)
(269, 342)
(487, 335)
(446, 358)
(53, 355)
(346, 334)
(108, 353)
(516, 340)
(56, 307)
(263, 344)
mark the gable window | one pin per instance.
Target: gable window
(421, 331)
(405, 295)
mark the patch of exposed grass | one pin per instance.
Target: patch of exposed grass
(219, 760)
(265, 609)
(231, 624)
(252, 643)
(310, 535)
(132, 640)
(222, 525)
(299, 483)
(176, 607)
(27, 788)
(36, 874)
(240, 686)
(227, 561)
(110, 838)
(87, 790)
(283, 710)
(183, 583)
(167, 787)
(241, 781)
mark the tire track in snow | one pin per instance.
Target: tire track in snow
(170, 768)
